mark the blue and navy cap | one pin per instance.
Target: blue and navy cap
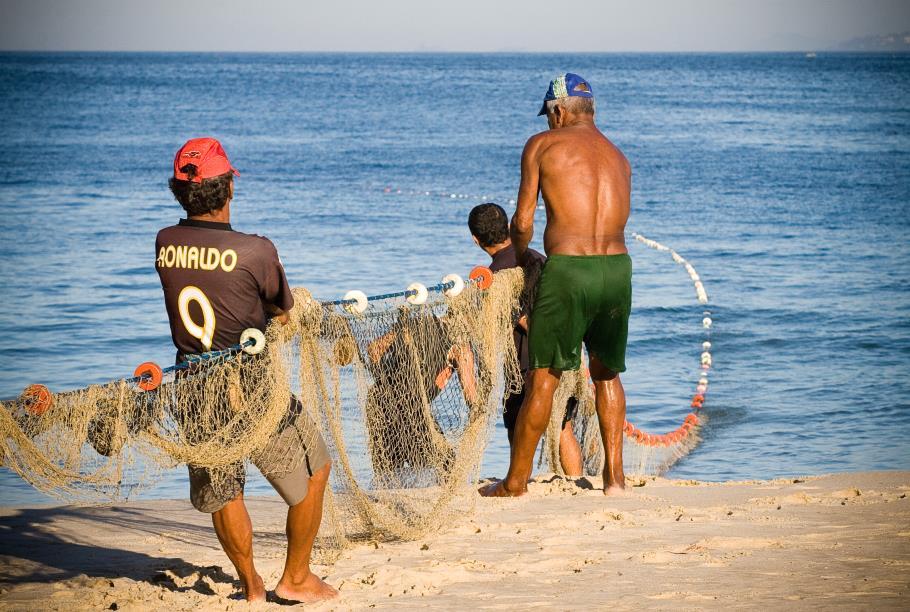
(564, 86)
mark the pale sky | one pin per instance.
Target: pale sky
(453, 25)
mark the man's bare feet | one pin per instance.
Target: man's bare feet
(312, 589)
(498, 489)
(616, 491)
(255, 591)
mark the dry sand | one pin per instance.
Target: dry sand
(839, 541)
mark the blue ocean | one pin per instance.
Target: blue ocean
(784, 179)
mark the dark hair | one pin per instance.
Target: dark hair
(201, 198)
(489, 224)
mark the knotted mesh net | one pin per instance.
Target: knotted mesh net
(403, 394)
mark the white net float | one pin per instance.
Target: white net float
(457, 284)
(420, 294)
(706, 322)
(258, 338)
(706, 345)
(357, 301)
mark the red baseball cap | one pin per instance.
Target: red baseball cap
(207, 155)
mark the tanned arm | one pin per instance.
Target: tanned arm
(378, 347)
(463, 358)
(276, 313)
(464, 362)
(522, 228)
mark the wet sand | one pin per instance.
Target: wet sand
(839, 541)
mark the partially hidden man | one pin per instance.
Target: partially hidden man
(489, 226)
(585, 290)
(218, 282)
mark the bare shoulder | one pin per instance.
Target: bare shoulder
(620, 157)
(538, 142)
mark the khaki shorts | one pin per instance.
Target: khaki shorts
(299, 444)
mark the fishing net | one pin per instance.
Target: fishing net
(403, 388)
(403, 393)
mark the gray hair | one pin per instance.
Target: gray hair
(573, 104)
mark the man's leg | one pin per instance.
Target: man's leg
(532, 422)
(610, 400)
(235, 532)
(570, 453)
(298, 583)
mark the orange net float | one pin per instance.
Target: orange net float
(149, 374)
(692, 418)
(37, 399)
(628, 428)
(482, 277)
(639, 435)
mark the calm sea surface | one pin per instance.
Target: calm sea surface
(784, 180)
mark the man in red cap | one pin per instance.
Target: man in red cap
(218, 282)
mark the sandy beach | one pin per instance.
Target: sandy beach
(838, 541)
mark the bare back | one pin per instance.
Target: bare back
(585, 181)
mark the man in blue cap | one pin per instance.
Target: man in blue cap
(585, 290)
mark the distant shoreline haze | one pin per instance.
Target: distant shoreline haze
(227, 52)
(466, 26)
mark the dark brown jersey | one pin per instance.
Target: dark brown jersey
(217, 283)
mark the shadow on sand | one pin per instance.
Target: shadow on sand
(31, 550)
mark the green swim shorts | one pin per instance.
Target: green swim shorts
(581, 297)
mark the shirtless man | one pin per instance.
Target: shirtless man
(585, 290)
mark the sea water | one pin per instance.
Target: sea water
(785, 180)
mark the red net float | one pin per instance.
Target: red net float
(149, 374)
(37, 399)
(482, 277)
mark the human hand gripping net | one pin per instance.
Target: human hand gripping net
(403, 392)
